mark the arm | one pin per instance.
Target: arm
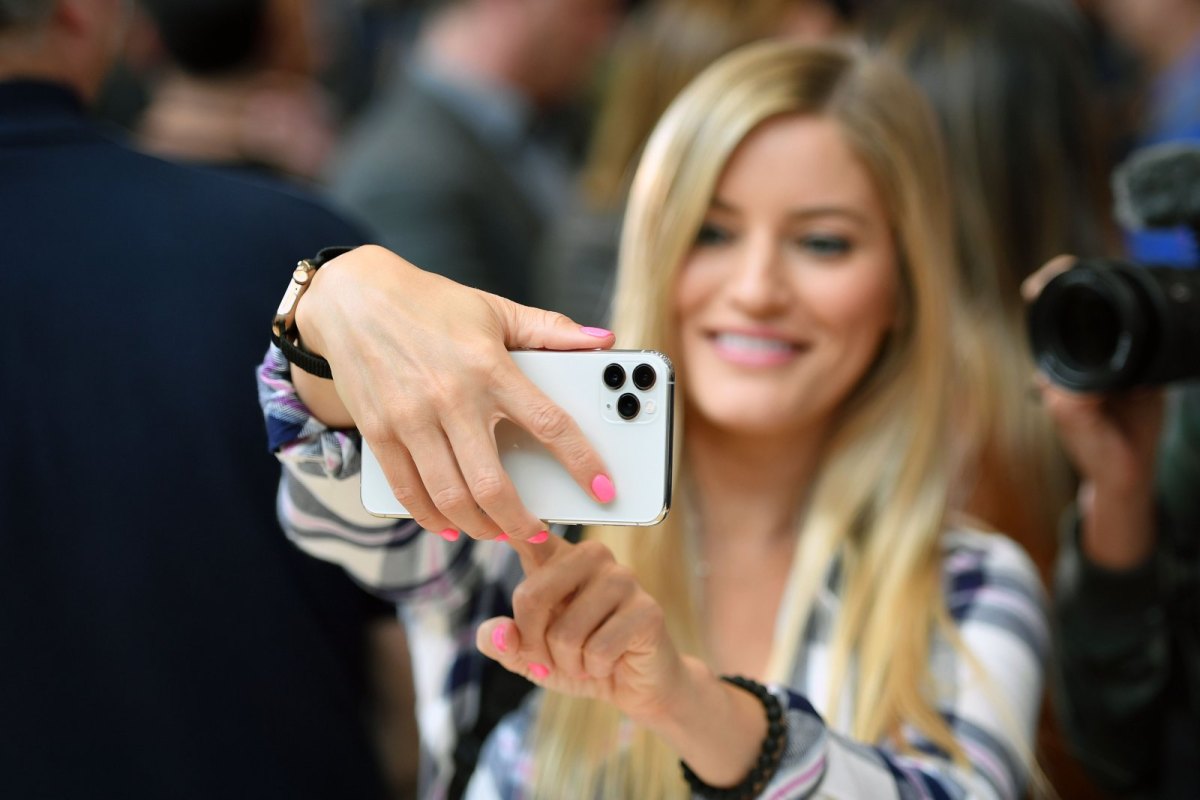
(585, 628)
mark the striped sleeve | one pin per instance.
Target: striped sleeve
(997, 604)
(319, 507)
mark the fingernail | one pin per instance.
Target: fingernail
(603, 488)
(501, 538)
(599, 333)
(539, 671)
(539, 537)
(450, 535)
(499, 638)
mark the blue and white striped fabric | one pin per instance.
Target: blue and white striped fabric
(445, 589)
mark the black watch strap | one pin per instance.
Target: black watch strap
(283, 329)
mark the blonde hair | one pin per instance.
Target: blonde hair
(880, 499)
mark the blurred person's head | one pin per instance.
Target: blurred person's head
(1009, 81)
(217, 38)
(788, 239)
(543, 48)
(74, 42)
(1158, 31)
(662, 46)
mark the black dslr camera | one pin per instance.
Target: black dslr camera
(1106, 325)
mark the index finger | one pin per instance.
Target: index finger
(1032, 286)
(534, 556)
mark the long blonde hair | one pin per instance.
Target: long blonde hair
(879, 502)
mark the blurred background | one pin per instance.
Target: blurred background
(494, 140)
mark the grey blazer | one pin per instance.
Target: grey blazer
(433, 192)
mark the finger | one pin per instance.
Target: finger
(407, 487)
(447, 490)
(1032, 286)
(526, 405)
(550, 589)
(535, 553)
(636, 627)
(484, 480)
(500, 640)
(536, 329)
(588, 610)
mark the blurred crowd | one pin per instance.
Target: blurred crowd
(495, 142)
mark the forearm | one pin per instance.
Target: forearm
(1113, 663)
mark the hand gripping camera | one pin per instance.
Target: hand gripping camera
(1106, 325)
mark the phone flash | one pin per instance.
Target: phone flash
(649, 406)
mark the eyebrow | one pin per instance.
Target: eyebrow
(801, 213)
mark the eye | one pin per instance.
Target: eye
(711, 235)
(824, 245)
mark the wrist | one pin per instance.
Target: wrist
(716, 728)
(1118, 525)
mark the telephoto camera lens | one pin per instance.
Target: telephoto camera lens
(1108, 325)
(614, 376)
(643, 376)
(628, 406)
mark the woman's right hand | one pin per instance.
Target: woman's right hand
(421, 368)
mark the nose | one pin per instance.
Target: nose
(759, 286)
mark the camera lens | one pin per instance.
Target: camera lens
(614, 376)
(1089, 329)
(628, 406)
(643, 376)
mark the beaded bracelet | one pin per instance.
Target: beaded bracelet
(768, 758)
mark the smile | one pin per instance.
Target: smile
(755, 351)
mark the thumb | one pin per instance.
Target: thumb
(499, 639)
(537, 329)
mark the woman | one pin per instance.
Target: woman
(788, 242)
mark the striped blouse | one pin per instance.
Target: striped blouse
(445, 589)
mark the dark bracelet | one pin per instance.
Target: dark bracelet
(768, 758)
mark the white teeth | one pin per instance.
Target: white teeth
(743, 342)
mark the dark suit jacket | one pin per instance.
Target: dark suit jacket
(159, 637)
(438, 195)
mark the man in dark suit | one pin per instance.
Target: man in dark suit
(458, 167)
(159, 637)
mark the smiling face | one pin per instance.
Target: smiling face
(784, 301)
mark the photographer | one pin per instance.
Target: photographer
(1128, 664)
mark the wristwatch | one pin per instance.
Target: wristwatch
(283, 327)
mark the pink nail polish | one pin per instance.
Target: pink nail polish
(599, 333)
(602, 487)
(500, 638)
(449, 534)
(539, 671)
(538, 538)
(501, 538)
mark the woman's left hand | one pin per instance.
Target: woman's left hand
(583, 626)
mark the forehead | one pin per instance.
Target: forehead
(799, 160)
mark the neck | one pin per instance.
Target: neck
(754, 485)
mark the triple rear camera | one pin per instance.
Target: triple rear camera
(628, 405)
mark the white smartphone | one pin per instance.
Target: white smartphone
(622, 400)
